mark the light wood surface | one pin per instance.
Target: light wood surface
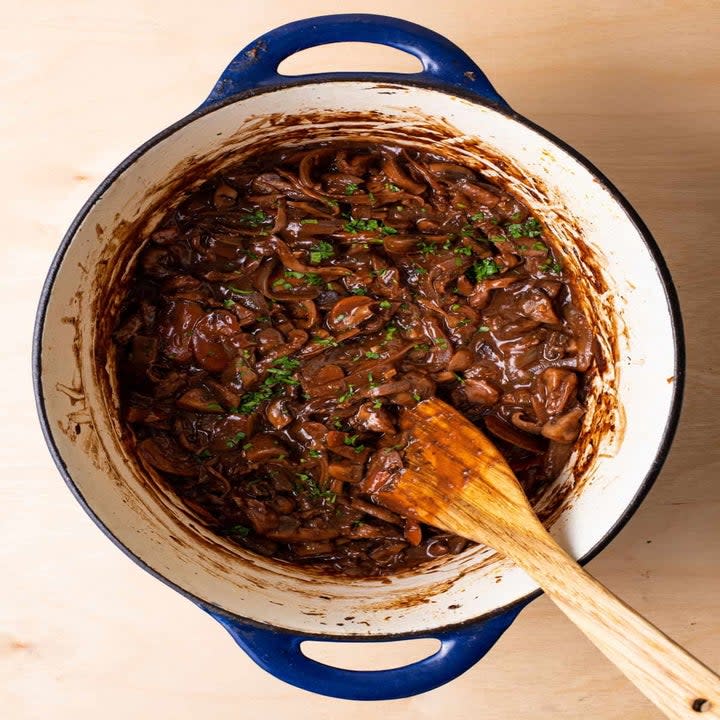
(83, 631)
(456, 479)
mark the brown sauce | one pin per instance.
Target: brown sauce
(282, 315)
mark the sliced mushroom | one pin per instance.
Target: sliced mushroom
(264, 447)
(199, 399)
(566, 428)
(278, 413)
(511, 434)
(480, 391)
(209, 337)
(175, 329)
(538, 306)
(164, 454)
(350, 312)
(224, 196)
(369, 417)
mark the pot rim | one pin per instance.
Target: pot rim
(501, 108)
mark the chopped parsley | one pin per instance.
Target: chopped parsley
(314, 453)
(351, 389)
(441, 343)
(377, 404)
(309, 221)
(327, 342)
(463, 250)
(279, 374)
(351, 188)
(351, 440)
(539, 246)
(427, 248)
(483, 328)
(254, 219)
(234, 441)
(238, 530)
(385, 304)
(390, 332)
(370, 355)
(392, 187)
(356, 225)
(530, 228)
(477, 217)
(553, 267)
(239, 291)
(309, 278)
(359, 291)
(416, 397)
(320, 251)
(308, 484)
(229, 304)
(485, 268)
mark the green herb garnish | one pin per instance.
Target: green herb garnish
(530, 228)
(485, 268)
(239, 530)
(347, 394)
(238, 291)
(553, 267)
(356, 225)
(390, 332)
(254, 219)
(427, 248)
(313, 489)
(320, 251)
(234, 441)
(279, 374)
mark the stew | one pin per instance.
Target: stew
(281, 316)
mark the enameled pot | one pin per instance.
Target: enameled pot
(466, 601)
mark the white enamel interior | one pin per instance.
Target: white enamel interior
(159, 532)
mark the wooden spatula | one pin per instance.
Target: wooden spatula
(455, 479)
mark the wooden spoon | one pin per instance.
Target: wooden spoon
(455, 479)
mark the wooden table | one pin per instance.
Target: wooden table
(83, 632)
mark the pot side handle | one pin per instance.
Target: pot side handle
(444, 63)
(279, 653)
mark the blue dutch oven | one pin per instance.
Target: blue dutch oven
(465, 601)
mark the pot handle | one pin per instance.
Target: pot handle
(279, 653)
(444, 63)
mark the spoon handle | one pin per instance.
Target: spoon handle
(678, 683)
